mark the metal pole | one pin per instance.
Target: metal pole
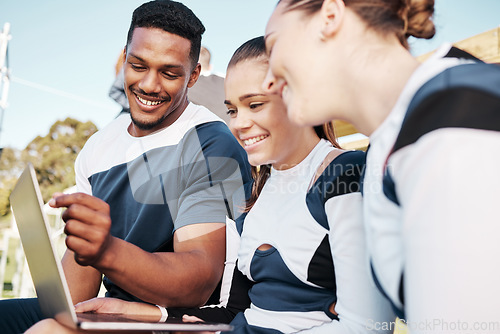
(4, 38)
(4, 71)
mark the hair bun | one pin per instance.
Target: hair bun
(419, 18)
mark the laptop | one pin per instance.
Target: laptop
(48, 277)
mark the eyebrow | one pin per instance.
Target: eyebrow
(246, 96)
(266, 38)
(166, 65)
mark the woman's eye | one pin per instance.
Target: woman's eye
(254, 106)
(232, 112)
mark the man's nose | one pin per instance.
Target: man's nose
(150, 83)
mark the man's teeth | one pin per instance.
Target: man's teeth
(254, 140)
(147, 102)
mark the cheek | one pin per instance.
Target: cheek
(130, 76)
(175, 89)
(255, 161)
(235, 132)
(302, 116)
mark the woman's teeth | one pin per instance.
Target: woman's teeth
(254, 140)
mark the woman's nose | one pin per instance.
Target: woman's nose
(241, 121)
(269, 84)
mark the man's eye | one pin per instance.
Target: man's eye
(170, 75)
(137, 67)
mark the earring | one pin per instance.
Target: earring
(322, 36)
(258, 169)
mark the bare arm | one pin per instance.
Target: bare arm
(183, 278)
(83, 282)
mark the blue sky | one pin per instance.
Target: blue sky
(62, 53)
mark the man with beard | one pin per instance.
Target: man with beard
(155, 186)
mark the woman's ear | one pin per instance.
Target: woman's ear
(332, 14)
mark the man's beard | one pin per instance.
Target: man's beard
(148, 126)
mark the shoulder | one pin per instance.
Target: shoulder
(215, 145)
(217, 140)
(340, 177)
(348, 166)
(107, 136)
(464, 96)
(111, 130)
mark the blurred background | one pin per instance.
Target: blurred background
(58, 64)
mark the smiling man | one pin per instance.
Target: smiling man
(155, 186)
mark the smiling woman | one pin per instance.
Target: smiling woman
(259, 121)
(308, 187)
(354, 64)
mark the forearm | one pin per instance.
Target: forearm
(238, 301)
(83, 282)
(183, 278)
(174, 279)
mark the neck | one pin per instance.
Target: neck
(384, 80)
(304, 145)
(377, 67)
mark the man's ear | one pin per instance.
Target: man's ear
(195, 74)
(124, 55)
(332, 14)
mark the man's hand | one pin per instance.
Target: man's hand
(88, 225)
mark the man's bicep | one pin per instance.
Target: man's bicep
(205, 237)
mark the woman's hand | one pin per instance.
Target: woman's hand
(118, 306)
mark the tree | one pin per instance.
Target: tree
(10, 168)
(53, 157)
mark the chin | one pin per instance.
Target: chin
(303, 117)
(146, 124)
(257, 162)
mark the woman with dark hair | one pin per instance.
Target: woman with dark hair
(303, 242)
(431, 181)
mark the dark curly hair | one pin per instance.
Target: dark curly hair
(172, 17)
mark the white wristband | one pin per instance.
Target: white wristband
(164, 313)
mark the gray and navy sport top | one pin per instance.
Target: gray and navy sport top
(190, 172)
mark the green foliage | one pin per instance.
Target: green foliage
(53, 157)
(10, 168)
